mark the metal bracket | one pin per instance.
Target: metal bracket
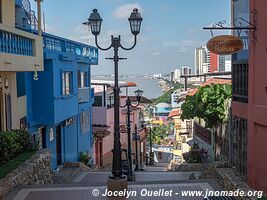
(118, 58)
(238, 24)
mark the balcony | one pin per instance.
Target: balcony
(240, 81)
(20, 50)
(202, 133)
(85, 52)
(84, 94)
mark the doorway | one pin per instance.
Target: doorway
(58, 142)
(1, 110)
(99, 152)
(43, 137)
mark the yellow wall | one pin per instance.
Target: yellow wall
(8, 12)
(12, 90)
(13, 62)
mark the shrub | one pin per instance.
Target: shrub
(196, 155)
(84, 158)
(13, 143)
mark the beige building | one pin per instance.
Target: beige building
(20, 51)
(183, 134)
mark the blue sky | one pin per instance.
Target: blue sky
(171, 29)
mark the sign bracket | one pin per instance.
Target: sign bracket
(238, 25)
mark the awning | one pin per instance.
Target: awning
(110, 83)
(175, 112)
(100, 132)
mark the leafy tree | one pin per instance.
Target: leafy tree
(209, 103)
(166, 96)
(160, 133)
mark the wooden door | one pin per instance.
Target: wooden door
(58, 141)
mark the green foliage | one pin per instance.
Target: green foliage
(14, 163)
(84, 158)
(87, 159)
(209, 103)
(196, 155)
(13, 143)
(166, 96)
(159, 133)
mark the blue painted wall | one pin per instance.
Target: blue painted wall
(46, 105)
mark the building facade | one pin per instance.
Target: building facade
(103, 123)
(249, 105)
(47, 87)
(200, 59)
(240, 72)
(20, 51)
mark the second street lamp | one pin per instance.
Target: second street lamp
(95, 22)
(138, 94)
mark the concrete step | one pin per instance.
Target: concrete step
(65, 175)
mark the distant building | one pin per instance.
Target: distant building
(159, 75)
(177, 98)
(214, 62)
(175, 75)
(186, 71)
(172, 76)
(200, 59)
(161, 112)
(228, 66)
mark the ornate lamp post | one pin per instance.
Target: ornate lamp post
(138, 94)
(136, 137)
(151, 154)
(95, 22)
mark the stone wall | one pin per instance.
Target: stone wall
(193, 167)
(34, 171)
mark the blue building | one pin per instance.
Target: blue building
(59, 103)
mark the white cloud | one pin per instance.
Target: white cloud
(124, 11)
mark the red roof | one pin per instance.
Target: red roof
(209, 82)
(175, 112)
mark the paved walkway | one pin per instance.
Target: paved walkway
(135, 192)
(92, 178)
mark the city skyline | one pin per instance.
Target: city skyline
(163, 45)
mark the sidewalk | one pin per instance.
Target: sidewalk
(166, 191)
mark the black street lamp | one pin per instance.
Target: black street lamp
(95, 22)
(137, 137)
(138, 94)
(151, 159)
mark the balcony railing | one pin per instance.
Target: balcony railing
(84, 95)
(15, 44)
(202, 133)
(240, 81)
(55, 43)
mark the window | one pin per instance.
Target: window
(82, 79)
(179, 146)
(240, 81)
(98, 101)
(85, 122)
(110, 100)
(66, 83)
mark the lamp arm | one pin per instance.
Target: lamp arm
(135, 106)
(103, 49)
(123, 106)
(127, 49)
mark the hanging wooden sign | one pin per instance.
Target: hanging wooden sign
(225, 44)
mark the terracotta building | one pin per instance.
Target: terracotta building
(249, 106)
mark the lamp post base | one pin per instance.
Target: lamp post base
(131, 177)
(151, 158)
(117, 185)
